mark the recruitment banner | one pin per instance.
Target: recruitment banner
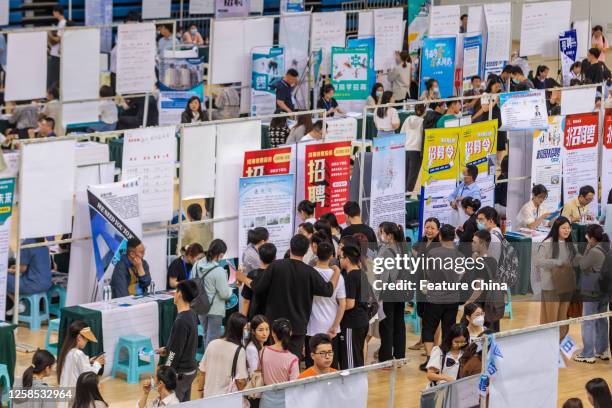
(438, 57)
(232, 8)
(606, 162)
(327, 170)
(477, 146)
(268, 202)
(350, 68)
(268, 67)
(568, 47)
(524, 110)
(180, 79)
(580, 156)
(388, 185)
(115, 218)
(7, 196)
(440, 154)
(472, 59)
(546, 162)
(267, 162)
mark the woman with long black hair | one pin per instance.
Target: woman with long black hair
(34, 378)
(599, 393)
(87, 393)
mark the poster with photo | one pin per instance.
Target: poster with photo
(180, 79)
(267, 68)
(546, 162)
(524, 110)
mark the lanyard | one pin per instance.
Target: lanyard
(187, 272)
(327, 104)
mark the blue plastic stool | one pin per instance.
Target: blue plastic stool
(5, 380)
(53, 328)
(36, 316)
(508, 306)
(133, 366)
(413, 318)
(200, 351)
(56, 308)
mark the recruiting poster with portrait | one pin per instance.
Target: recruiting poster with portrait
(114, 212)
(180, 79)
(547, 160)
(268, 202)
(267, 68)
(606, 161)
(7, 196)
(580, 157)
(326, 177)
(388, 185)
(524, 110)
(268, 162)
(350, 68)
(438, 62)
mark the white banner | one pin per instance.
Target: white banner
(136, 51)
(435, 201)
(525, 110)
(476, 19)
(294, 36)
(328, 30)
(388, 37)
(341, 129)
(546, 162)
(156, 9)
(388, 185)
(351, 391)
(26, 69)
(201, 6)
(579, 100)
(499, 29)
(540, 27)
(150, 155)
(444, 20)
(4, 17)
(80, 64)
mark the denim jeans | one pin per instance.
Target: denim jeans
(382, 133)
(594, 332)
(212, 328)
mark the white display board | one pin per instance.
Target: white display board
(583, 38)
(444, 20)
(540, 27)
(293, 36)
(149, 154)
(80, 112)
(80, 64)
(515, 386)
(26, 70)
(198, 161)
(476, 19)
(351, 391)
(498, 18)
(366, 24)
(47, 188)
(136, 51)
(233, 140)
(201, 6)
(388, 37)
(580, 100)
(257, 6)
(156, 9)
(328, 30)
(341, 129)
(4, 12)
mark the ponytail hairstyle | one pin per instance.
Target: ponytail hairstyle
(470, 202)
(596, 232)
(405, 58)
(324, 227)
(217, 247)
(40, 361)
(386, 98)
(70, 342)
(392, 229)
(281, 328)
(599, 28)
(332, 220)
(306, 207)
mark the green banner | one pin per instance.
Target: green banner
(7, 187)
(350, 73)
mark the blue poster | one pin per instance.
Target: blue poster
(292, 6)
(267, 68)
(472, 59)
(366, 42)
(568, 46)
(179, 80)
(438, 62)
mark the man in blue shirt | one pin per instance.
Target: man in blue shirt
(131, 274)
(467, 188)
(284, 92)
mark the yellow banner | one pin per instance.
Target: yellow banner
(478, 145)
(440, 154)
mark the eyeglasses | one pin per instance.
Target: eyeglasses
(325, 353)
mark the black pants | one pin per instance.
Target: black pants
(435, 314)
(392, 332)
(493, 326)
(413, 166)
(335, 345)
(352, 342)
(53, 71)
(296, 345)
(183, 386)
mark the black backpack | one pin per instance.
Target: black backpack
(508, 266)
(201, 304)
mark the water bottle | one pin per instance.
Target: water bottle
(508, 225)
(152, 288)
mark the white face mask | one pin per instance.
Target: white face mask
(478, 321)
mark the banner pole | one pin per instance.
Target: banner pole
(364, 123)
(18, 249)
(180, 194)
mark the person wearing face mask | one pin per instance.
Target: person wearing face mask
(432, 90)
(165, 384)
(519, 81)
(532, 215)
(554, 259)
(474, 319)
(377, 92)
(192, 36)
(486, 219)
(599, 41)
(476, 90)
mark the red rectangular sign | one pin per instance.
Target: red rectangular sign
(267, 162)
(581, 130)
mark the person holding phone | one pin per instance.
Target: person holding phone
(165, 384)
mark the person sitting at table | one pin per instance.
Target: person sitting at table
(165, 383)
(278, 131)
(108, 114)
(193, 112)
(24, 117)
(328, 102)
(71, 360)
(192, 36)
(35, 272)
(183, 340)
(386, 119)
(180, 268)
(316, 133)
(531, 214)
(577, 209)
(131, 274)
(134, 110)
(466, 188)
(45, 129)
(377, 92)
(302, 127)
(200, 233)
(432, 90)
(87, 393)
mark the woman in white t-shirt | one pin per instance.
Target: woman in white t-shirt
(259, 336)
(443, 364)
(326, 312)
(386, 119)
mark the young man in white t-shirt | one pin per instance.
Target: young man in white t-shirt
(487, 219)
(326, 312)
